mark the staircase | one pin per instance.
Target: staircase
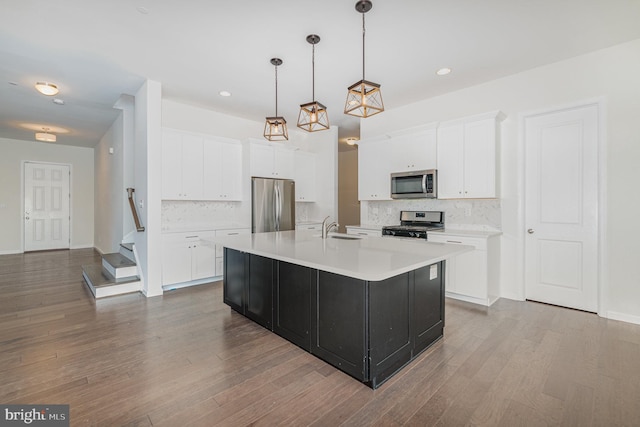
(115, 276)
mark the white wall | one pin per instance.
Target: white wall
(610, 73)
(148, 165)
(195, 119)
(14, 153)
(108, 189)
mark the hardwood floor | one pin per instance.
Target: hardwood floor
(185, 359)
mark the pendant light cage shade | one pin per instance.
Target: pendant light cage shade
(313, 117)
(364, 99)
(275, 129)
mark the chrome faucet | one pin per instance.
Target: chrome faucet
(326, 228)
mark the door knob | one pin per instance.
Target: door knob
(530, 231)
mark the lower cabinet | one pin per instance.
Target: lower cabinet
(339, 323)
(259, 290)
(368, 330)
(248, 285)
(187, 257)
(472, 276)
(291, 303)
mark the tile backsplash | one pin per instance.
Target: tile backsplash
(461, 214)
(181, 213)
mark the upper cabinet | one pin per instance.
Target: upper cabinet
(413, 150)
(374, 173)
(305, 176)
(182, 166)
(223, 170)
(200, 167)
(269, 160)
(467, 157)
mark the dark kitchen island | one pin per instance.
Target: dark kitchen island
(367, 306)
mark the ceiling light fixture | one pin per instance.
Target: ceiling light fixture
(45, 136)
(224, 93)
(443, 71)
(275, 128)
(352, 141)
(364, 98)
(313, 115)
(47, 88)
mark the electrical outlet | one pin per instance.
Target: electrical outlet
(467, 211)
(374, 211)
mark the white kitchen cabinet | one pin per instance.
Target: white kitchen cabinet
(219, 254)
(472, 276)
(222, 169)
(187, 257)
(374, 174)
(363, 231)
(182, 166)
(271, 160)
(305, 176)
(467, 157)
(413, 151)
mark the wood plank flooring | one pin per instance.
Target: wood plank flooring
(185, 359)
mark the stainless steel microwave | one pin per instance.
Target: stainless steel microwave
(414, 184)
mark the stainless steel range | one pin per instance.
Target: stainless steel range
(415, 224)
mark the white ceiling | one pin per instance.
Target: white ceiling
(97, 50)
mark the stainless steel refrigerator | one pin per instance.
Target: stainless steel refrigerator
(272, 205)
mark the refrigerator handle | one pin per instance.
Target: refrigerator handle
(278, 207)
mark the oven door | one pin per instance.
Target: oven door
(413, 185)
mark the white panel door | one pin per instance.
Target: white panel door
(46, 206)
(561, 255)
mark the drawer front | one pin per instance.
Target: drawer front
(364, 231)
(309, 226)
(478, 243)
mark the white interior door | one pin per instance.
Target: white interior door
(561, 184)
(46, 206)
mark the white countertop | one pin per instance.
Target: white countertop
(369, 258)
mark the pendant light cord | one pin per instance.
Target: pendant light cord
(363, 34)
(313, 72)
(276, 91)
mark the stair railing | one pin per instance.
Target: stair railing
(132, 205)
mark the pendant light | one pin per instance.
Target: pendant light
(313, 115)
(364, 98)
(275, 128)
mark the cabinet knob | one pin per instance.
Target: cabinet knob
(531, 231)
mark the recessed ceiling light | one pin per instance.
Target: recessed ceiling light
(47, 88)
(58, 101)
(352, 141)
(443, 71)
(224, 93)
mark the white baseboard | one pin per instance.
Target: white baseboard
(83, 246)
(623, 317)
(10, 252)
